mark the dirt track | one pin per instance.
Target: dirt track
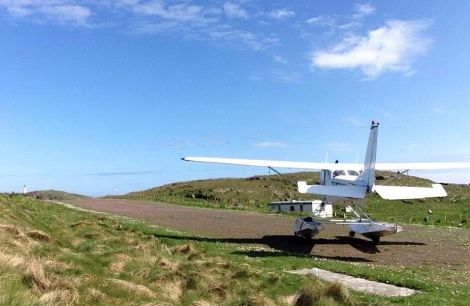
(417, 245)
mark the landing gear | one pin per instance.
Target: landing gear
(376, 240)
(307, 227)
(302, 237)
(365, 226)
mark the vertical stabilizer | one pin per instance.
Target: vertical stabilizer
(368, 174)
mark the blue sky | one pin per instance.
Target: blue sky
(102, 97)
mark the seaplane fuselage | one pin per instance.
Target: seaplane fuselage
(344, 177)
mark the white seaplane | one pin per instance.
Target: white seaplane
(351, 181)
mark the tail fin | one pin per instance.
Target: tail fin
(368, 174)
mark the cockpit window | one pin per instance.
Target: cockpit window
(353, 172)
(338, 172)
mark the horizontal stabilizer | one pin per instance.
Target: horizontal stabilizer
(357, 192)
(409, 193)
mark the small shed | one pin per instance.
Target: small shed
(314, 208)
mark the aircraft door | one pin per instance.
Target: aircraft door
(325, 177)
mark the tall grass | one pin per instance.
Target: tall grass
(53, 255)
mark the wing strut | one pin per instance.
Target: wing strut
(279, 173)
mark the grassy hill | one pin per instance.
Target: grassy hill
(254, 193)
(53, 195)
(250, 193)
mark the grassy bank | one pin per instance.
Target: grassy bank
(53, 255)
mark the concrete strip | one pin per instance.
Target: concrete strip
(358, 284)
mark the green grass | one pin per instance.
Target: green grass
(86, 258)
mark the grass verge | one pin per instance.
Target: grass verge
(54, 255)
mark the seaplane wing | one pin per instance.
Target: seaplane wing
(421, 166)
(329, 166)
(352, 180)
(275, 163)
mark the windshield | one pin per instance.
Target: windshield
(353, 172)
(338, 172)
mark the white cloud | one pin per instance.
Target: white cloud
(270, 144)
(332, 23)
(281, 14)
(391, 47)
(437, 110)
(180, 12)
(233, 10)
(322, 21)
(337, 146)
(279, 59)
(191, 19)
(59, 11)
(362, 10)
(68, 13)
(276, 76)
(236, 37)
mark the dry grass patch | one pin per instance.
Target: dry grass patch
(39, 235)
(219, 291)
(331, 295)
(243, 272)
(95, 294)
(57, 265)
(10, 260)
(20, 239)
(118, 263)
(171, 289)
(12, 229)
(183, 249)
(81, 223)
(189, 250)
(59, 297)
(204, 303)
(35, 277)
(164, 249)
(259, 300)
(290, 299)
(339, 293)
(166, 263)
(64, 283)
(133, 287)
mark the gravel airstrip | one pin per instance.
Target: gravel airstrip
(415, 246)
